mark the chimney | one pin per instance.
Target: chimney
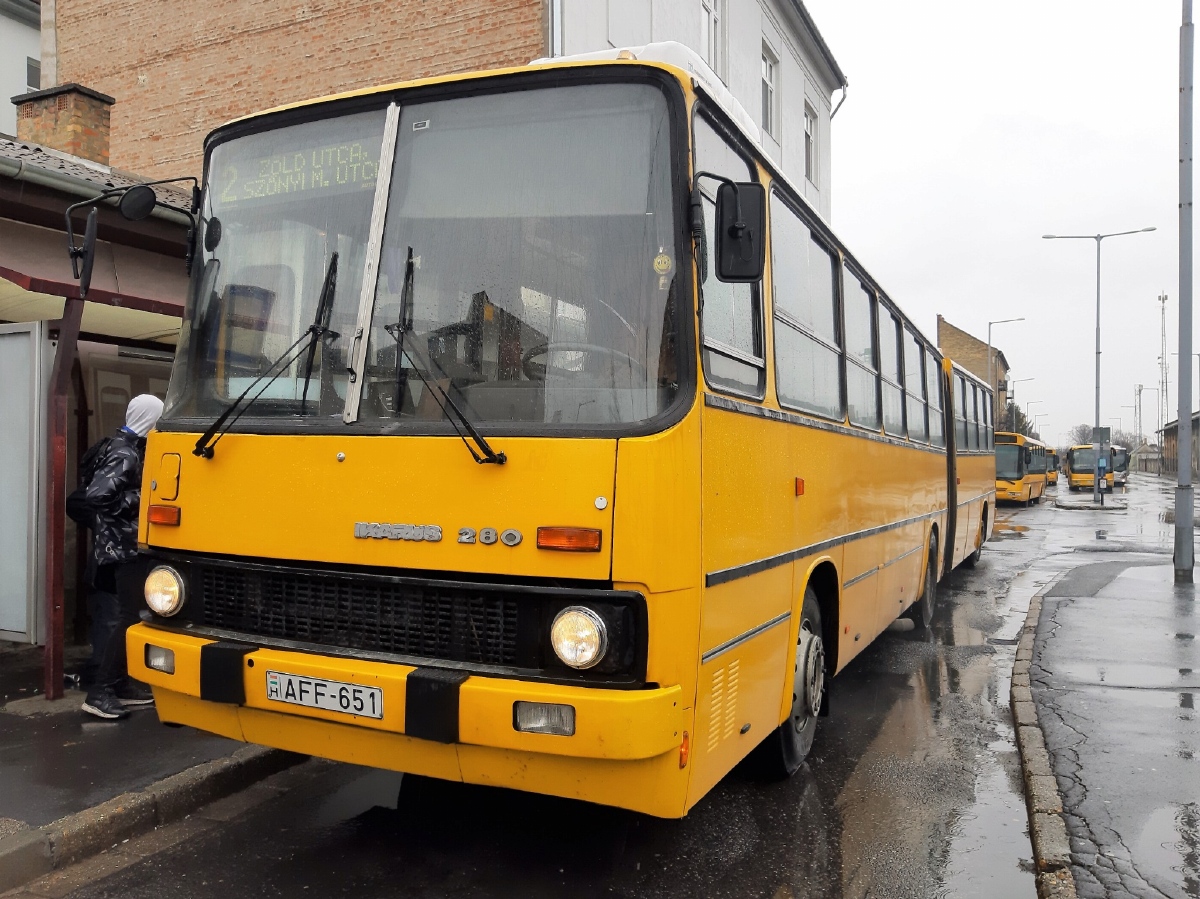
(69, 118)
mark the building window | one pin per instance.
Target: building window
(770, 91)
(810, 144)
(710, 34)
(33, 74)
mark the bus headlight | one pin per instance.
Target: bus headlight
(579, 637)
(164, 591)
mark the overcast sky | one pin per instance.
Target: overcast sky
(972, 129)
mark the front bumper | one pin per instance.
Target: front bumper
(625, 742)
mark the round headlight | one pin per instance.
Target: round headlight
(164, 591)
(579, 637)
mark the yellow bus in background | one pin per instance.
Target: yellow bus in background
(529, 428)
(1020, 468)
(1081, 468)
(1051, 466)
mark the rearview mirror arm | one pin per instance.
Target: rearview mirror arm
(738, 228)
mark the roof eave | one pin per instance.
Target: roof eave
(826, 54)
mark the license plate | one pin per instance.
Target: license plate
(331, 695)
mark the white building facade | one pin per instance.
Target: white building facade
(769, 54)
(20, 55)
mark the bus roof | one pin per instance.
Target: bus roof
(1013, 437)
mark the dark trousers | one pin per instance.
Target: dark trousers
(104, 610)
(130, 580)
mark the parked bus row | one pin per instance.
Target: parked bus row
(536, 432)
(1022, 468)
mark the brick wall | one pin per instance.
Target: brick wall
(971, 353)
(177, 70)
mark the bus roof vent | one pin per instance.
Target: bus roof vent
(675, 54)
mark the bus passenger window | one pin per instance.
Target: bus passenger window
(806, 356)
(933, 388)
(960, 413)
(914, 388)
(731, 319)
(973, 416)
(862, 384)
(889, 369)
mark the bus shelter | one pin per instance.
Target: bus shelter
(68, 367)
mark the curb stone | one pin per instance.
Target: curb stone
(34, 852)
(1047, 829)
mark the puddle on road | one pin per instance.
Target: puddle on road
(1169, 842)
(1006, 530)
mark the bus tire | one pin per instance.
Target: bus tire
(921, 611)
(791, 742)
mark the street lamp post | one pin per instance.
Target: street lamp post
(991, 385)
(1027, 405)
(1012, 421)
(1033, 427)
(1097, 238)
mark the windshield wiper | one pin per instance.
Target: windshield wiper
(398, 331)
(320, 326)
(307, 341)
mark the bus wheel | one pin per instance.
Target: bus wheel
(921, 611)
(793, 739)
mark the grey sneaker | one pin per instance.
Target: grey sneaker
(105, 705)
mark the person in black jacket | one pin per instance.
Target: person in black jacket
(112, 498)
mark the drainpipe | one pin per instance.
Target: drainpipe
(845, 90)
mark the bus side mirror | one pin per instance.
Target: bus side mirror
(741, 229)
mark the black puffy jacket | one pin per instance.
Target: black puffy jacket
(113, 497)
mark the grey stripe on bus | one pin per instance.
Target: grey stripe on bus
(742, 638)
(725, 575)
(876, 570)
(862, 577)
(736, 406)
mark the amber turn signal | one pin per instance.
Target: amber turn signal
(572, 540)
(168, 515)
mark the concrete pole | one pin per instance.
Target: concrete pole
(1184, 502)
(1095, 442)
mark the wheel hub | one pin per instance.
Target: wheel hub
(810, 676)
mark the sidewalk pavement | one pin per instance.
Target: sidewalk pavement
(1113, 673)
(72, 785)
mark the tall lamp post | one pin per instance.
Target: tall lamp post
(1012, 425)
(1098, 238)
(1033, 427)
(991, 385)
(1027, 405)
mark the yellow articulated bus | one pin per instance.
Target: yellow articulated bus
(1051, 467)
(1021, 468)
(528, 428)
(1081, 468)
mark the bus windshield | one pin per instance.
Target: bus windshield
(542, 288)
(1120, 459)
(1083, 461)
(1010, 459)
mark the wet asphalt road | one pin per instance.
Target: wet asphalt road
(913, 788)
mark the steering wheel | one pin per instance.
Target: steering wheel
(536, 371)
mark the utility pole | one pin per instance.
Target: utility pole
(1164, 373)
(1184, 494)
(1137, 415)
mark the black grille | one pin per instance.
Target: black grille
(455, 623)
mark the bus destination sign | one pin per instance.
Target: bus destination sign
(333, 169)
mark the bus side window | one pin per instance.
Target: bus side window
(889, 371)
(731, 319)
(972, 413)
(960, 413)
(933, 393)
(914, 388)
(862, 382)
(807, 367)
